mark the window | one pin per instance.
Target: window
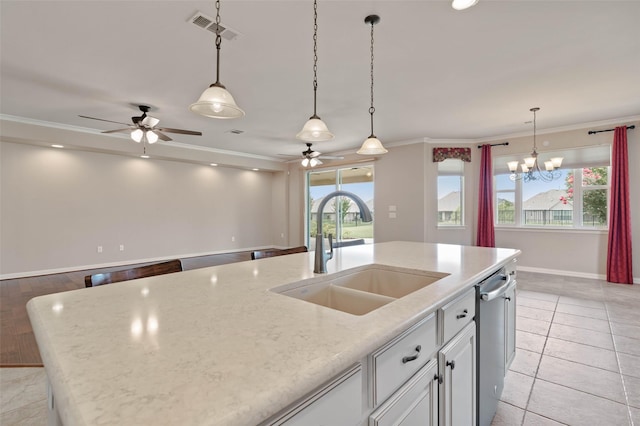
(451, 192)
(577, 198)
(341, 216)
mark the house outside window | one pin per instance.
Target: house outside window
(577, 198)
(451, 193)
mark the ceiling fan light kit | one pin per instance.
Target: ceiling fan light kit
(315, 130)
(372, 145)
(216, 101)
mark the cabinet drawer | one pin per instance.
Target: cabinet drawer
(339, 403)
(415, 403)
(395, 363)
(456, 314)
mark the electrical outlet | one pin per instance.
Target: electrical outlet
(121, 247)
(99, 249)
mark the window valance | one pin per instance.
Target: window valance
(441, 154)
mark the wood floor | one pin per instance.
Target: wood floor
(18, 346)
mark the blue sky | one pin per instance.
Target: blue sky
(363, 190)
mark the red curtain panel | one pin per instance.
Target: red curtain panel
(486, 234)
(619, 260)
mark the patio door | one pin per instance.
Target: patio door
(341, 216)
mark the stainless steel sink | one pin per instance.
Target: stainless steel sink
(360, 292)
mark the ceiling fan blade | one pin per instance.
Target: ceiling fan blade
(128, 129)
(314, 154)
(182, 132)
(331, 157)
(102, 119)
(162, 135)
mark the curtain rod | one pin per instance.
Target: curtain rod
(495, 144)
(593, 132)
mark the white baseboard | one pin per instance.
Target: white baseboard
(568, 273)
(122, 263)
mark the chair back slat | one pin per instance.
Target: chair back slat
(133, 273)
(260, 254)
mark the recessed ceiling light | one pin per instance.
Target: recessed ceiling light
(213, 164)
(57, 146)
(144, 156)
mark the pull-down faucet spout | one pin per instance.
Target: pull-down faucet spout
(320, 264)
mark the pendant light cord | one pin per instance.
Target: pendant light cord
(372, 109)
(218, 43)
(315, 56)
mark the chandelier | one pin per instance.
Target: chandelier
(530, 168)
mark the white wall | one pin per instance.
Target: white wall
(400, 182)
(57, 206)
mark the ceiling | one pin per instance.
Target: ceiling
(439, 73)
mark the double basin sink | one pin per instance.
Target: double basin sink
(360, 292)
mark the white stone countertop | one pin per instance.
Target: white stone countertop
(214, 346)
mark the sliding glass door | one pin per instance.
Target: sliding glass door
(341, 216)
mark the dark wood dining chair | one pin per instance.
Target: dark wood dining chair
(133, 273)
(259, 254)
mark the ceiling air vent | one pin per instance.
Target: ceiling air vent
(208, 23)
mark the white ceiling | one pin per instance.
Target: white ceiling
(439, 73)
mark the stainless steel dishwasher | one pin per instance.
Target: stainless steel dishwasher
(490, 328)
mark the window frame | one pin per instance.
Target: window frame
(578, 203)
(461, 176)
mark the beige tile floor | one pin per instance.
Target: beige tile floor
(578, 354)
(577, 359)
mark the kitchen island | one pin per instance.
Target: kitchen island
(215, 346)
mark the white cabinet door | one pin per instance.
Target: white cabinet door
(339, 403)
(509, 326)
(457, 367)
(415, 403)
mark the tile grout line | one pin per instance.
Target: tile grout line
(535, 375)
(624, 385)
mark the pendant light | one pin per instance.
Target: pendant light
(216, 101)
(372, 145)
(463, 4)
(315, 130)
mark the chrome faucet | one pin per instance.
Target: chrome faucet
(320, 264)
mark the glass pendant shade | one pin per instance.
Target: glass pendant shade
(530, 162)
(372, 146)
(305, 162)
(513, 166)
(315, 130)
(217, 102)
(463, 4)
(151, 136)
(557, 162)
(137, 135)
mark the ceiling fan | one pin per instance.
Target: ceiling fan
(312, 158)
(144, 127)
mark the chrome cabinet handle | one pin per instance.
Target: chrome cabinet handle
(407, 359)
(463, 315)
